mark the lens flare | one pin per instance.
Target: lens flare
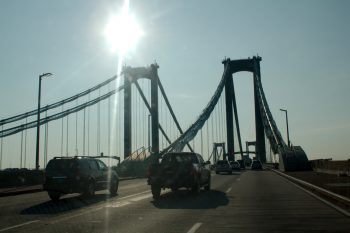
(122, 31)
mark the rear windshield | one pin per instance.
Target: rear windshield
(222, 162)
(61, 164)
(180, 158)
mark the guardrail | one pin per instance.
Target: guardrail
(341, 199)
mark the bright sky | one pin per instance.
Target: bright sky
(304, 47)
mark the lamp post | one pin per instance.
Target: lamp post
(38, 122)
(284, 110)
(149, 132)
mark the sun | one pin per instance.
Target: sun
(122, 31)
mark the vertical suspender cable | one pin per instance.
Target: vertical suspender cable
(144, 114)
(220, 118)
(212, 128)
(202, 141)
(47, 142)
(109, 122)
(76, 131)
(67, 136)
(117, 128)
(20, 165)
(136, 120)
(223, 133)
(84, 132)
(88, 124)
(1, 144)
(216, 124)
(62, 133)
(207, 122)
(25, 145)
(98, 123)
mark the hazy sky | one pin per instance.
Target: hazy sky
(304, 47)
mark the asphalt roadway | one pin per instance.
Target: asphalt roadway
(247, 201)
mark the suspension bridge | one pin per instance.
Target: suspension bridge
(130, 115)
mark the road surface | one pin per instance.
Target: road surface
(247, 201)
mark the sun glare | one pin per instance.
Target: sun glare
(123, 32)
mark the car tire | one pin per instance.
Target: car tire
(208, 185)
(54, 196)
(113, 189)
(155, 191)
(217, 172)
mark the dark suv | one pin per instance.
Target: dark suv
(177, 170)
(78, 175)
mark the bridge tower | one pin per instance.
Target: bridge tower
(231, 67)
(131, 75)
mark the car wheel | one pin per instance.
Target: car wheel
(90, 189)
(54, 196)
(217, 172)
(207, 187)
(155, 191)
(113, 189)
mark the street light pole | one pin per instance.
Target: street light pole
(38, 122)
(286, 112)
(149, 132)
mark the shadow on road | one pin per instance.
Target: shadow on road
(65, 204)
(184, 199)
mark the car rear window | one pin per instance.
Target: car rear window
(61, 164)
(180, 158)
(222, 162)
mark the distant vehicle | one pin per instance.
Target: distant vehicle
(256, 165)
(177, 170)
(79, 175)
(223, 166)
(235, 165)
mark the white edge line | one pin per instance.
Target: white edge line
(228, 190)
(346, 213)
(19, 225)
(195, 227)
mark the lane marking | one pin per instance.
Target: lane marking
(195, 227)
(228, 190)
(141, 197)
(346, 213)
(19, 225)
(116, 203)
